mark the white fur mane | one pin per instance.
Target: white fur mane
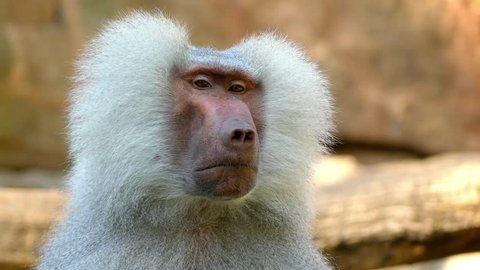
(120, 132)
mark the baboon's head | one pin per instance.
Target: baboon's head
(154, 118)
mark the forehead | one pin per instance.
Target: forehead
(230, 61)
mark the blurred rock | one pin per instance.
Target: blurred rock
(406, 73)
(33, 83)
(34, 12)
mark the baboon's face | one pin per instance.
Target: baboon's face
(217, 126)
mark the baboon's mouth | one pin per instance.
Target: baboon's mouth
(223, 180)
(227, 166)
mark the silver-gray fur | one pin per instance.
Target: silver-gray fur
(128, 209)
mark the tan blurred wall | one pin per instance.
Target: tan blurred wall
(405, 73)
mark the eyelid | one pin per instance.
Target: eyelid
(201, 77)
(240, 82)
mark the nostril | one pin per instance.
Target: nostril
(238, 136)
(249, 136)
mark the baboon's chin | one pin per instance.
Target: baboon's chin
(223, 182)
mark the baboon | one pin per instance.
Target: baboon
(191, 158)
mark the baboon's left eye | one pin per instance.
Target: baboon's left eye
(237, 87)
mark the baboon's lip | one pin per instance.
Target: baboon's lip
(227, 166)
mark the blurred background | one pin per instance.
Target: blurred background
(403, 183)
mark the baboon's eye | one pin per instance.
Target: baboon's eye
(237, 87)
(201, 82)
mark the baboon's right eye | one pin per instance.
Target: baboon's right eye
(201, 82)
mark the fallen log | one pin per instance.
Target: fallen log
(401, 212)
(372, 216)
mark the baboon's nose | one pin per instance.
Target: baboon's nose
(238, 134)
